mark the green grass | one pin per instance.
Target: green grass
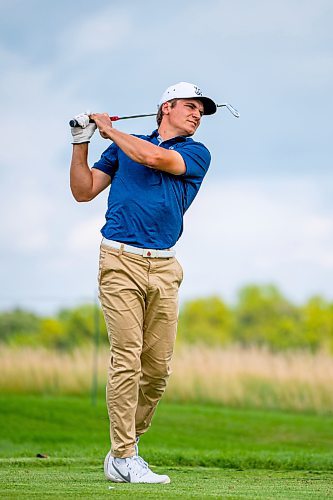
(73, 481)
(208, 451)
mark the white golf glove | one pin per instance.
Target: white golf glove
(84, 132)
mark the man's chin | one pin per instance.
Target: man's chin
(190, 132)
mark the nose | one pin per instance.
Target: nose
(196, 114)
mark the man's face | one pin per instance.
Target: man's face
(185, 116)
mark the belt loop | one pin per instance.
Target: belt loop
(121, 249)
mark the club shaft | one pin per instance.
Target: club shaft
(74, 123)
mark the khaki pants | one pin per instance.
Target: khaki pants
(139, 298)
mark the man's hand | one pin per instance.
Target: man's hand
(83, 133)
(103, 123)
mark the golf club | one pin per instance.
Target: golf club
(74, 123)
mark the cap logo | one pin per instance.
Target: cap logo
(197, 90)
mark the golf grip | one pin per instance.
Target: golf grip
(74, 123)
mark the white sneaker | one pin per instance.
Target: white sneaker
(131, 470)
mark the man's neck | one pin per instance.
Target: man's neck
(165, 133)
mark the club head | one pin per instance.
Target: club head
(232, 110)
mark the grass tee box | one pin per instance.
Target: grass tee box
(75, 481)
(228, 452)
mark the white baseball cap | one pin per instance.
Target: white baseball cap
(184, 90)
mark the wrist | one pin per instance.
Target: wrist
(108, 131)
(80, 145)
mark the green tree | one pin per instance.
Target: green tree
(206, 320)
(317, 324)
(79, 325)
(52, 334)
(18, 323)
(264, 317)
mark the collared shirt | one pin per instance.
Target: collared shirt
(146, 206)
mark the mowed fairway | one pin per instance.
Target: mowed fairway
(208, 451)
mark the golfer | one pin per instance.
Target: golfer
(153, 180)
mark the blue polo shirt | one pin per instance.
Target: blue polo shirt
(146, 206)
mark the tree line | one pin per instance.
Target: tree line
(261, 316)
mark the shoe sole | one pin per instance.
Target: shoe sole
(167, 481)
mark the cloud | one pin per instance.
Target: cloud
(33, 111)
(269, 230)
(97, 34)
(85, 235)
(269, 59)
(26, 217)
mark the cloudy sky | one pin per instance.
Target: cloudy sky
(264, 212)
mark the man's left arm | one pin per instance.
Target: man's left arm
(139, 150)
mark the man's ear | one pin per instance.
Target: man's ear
(166, 108)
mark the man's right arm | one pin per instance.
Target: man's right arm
(85, 183)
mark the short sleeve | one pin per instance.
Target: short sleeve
(197, 160)
(108, 163)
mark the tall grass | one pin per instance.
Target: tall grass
(232, 376)
(253, 377)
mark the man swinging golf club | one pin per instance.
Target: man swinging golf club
(154, 179)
